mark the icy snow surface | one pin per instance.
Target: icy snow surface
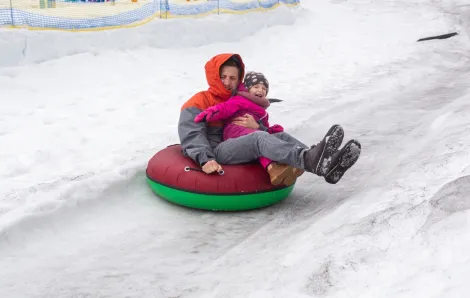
(82, 113)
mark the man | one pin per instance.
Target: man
(203, 141)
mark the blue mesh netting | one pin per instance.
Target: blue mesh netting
(86, 14)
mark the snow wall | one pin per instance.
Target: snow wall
(106, 14)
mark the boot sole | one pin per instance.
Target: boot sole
(347, 158)
(333, 140)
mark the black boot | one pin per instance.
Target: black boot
(342, 160)
(317, 158)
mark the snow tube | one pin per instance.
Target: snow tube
(178, 179)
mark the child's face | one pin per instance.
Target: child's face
(258, 90)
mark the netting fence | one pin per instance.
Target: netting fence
(106, 14)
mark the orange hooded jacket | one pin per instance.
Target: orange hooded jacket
(199, 139)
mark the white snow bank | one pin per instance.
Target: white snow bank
(21, 46)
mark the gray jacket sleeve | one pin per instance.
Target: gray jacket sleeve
(262, 127)
(193, 137)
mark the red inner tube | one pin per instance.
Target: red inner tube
(167, 167)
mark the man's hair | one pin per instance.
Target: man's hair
(233, 61)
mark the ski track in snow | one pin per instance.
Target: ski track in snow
(404, 207)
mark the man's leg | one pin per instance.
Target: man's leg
(316, 159)
(322, 159)
(250, 147)
(297, 172)
(290, 139)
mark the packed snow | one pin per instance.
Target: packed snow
(82, 113)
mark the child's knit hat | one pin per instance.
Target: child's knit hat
(252, 78)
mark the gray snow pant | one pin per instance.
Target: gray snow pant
(280, 147)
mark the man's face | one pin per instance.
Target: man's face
(229, 77)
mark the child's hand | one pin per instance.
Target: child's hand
(275, 128)
(206, 115)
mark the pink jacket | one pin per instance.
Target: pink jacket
(234, 107)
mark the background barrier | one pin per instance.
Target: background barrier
(83, 15)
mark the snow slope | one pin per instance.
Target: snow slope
(78, 220)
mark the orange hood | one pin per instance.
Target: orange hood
(212, 67)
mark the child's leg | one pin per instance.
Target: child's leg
(282, 172)
(278, 173)
(264, 162)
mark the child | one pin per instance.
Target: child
(255, 84)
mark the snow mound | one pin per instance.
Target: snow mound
(21, 46)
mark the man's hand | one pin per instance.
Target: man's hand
(247, 121)
(211, 166)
